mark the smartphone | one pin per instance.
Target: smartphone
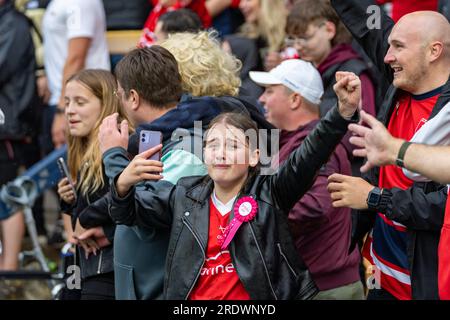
(149, 139)
(65, 173)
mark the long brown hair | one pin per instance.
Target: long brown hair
(83, 152)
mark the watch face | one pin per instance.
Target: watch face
(374, 198)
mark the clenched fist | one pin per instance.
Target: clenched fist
(348, 91)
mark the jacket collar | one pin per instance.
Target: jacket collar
(201, 191)
(393, 94)
(443, 99)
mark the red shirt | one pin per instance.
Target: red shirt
(235, 3)
(403, 7)
(387, 248)
(444, 256)
(218, 279)
(409, 115)
(148, 37)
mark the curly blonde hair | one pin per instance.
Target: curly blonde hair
(270, 24)
(206, 70)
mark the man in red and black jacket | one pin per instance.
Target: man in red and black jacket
(381, 148)
(407, 216)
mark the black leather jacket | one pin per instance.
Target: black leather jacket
(262, 250)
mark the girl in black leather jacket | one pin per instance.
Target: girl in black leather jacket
(229, 233)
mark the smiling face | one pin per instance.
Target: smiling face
(407, 57)
(228, 155)
(250, 9)
(82, 109)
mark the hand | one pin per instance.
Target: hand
(89, 245)
(96, 234)
(109, 136)
(42, 87)
(348, 91)
(71, 239)
(376, 143)
(139, 169)
(347, 191)
(59, 126)
(65, 191)
(272, 60)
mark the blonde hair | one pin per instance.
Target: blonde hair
(83, 152)
(206, 70)
(270, 25)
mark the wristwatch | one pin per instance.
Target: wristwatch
(374, 198)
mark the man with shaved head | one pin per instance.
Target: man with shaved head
(405, 217)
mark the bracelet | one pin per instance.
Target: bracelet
(401, 154)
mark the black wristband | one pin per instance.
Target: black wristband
(401, 154)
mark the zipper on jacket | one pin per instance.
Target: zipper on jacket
(99, 269)
(188, 225)
(263, 261)
(286, 260)
(311, 286)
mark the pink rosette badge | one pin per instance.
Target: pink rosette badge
(245, 210)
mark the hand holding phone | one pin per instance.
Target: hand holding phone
(65, 174)
(149, 139)
(140, 169)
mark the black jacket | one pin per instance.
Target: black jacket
(126, 15)
(18, 95)
(444, 8)
(421, 207)
(262, 251)
(90, 210)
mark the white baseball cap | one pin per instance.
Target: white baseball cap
(298, 75)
